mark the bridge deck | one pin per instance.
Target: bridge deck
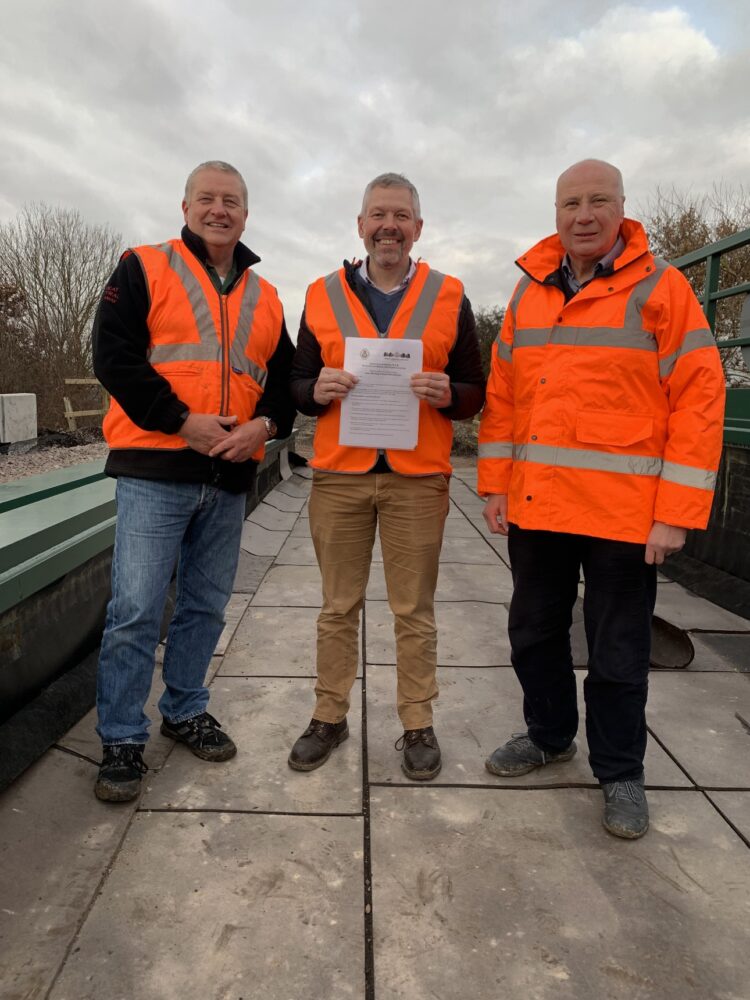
(247, 880)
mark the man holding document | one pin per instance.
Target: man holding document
(387, 356)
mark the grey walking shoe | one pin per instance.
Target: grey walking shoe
(521, 755)
(625, 808)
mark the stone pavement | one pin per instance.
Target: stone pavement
(247, 880)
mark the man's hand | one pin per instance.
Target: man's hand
(333, 383)
(433, 387)
(662, 541)
(242, 442)
(204, 431)
(495, 513)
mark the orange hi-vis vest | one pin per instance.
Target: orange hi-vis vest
(603, 413)
(429, 312)
(213, 349)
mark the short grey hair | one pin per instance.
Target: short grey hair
(393, 180)
(226, 168)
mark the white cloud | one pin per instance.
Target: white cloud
(106, 107)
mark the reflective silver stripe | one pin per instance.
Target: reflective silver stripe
(496, 449)
(641, 294)
(587, 336)
(424, 306)
(344, 319)
(417, 321)
(523, 284)
(598, 461)
(530, 337)
(209, 347)
(504, 351)
(688, 475)
(237, 356)
(693, 341)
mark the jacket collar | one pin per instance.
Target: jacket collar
(243, 256)
(545, 257)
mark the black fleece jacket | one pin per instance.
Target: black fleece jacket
(464, 366)
(120, 348)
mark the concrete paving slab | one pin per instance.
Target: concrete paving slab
(268, 905)
(272, 518)
(292, 488)
(273, 641)
(303, 472)
(250, 571)
(264, 717)
(259, 541)
(297, 550)
(470, 634)
(717, 651)
(233, 612)
(83, 739)
(522, 894)
(460, 527)
(56, 841)
(301, 528)
(476, 712)
(685, 609)
(457, 581)
(736, 807)
(284, 502)
(290, 586)
(695, 716)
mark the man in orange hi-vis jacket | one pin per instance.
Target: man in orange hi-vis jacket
(598, 449)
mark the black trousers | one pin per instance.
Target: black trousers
(618, 606)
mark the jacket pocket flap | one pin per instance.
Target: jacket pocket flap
(611, 427)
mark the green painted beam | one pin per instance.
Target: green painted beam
(43, 568)
(733, 242)
(27, 531)
(20, 492)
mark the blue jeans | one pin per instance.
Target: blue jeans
(160, 525)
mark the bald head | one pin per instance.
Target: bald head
(595, 171)
(589, 211)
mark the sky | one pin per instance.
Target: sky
(106, 107)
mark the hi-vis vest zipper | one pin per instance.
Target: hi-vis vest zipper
(213, 349)
(429, 312)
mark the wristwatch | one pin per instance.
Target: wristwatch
(270, 427)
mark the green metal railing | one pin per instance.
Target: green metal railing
(737, 419)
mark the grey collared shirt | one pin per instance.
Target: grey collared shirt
(601, 265)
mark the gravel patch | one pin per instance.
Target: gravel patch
(32, 463)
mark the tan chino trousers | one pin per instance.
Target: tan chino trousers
(410, 512)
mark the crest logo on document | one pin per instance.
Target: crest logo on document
(364, 353)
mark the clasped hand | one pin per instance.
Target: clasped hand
(222, 437)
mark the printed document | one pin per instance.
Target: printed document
(381, 411)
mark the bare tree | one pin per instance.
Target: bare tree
(678, 222)
(488, 320)
(57, 263)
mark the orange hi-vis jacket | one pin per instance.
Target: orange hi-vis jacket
(605, 413)
(212, 348)
(428, 312)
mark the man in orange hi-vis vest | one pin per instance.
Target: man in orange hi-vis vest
(598, 449)
(192, 346)
(404, 490)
